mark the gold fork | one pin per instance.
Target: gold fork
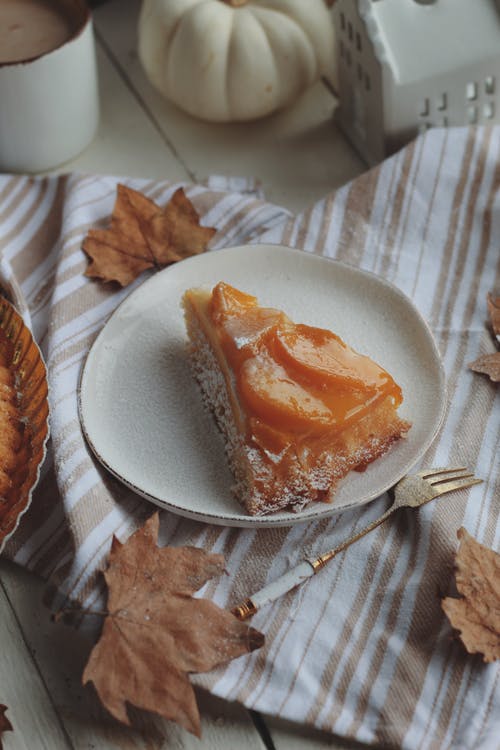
(412, 491)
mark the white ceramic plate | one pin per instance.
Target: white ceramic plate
(141, 411)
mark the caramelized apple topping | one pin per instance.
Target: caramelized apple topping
(296, 379)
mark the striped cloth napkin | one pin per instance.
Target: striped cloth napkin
(364, 649)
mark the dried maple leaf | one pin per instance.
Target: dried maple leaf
(5, 725)
(488, 364)
(155, 633)
(142, 235)
(477, 614)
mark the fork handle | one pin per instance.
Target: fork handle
(300, 573)
(321, 561)
(288, 581)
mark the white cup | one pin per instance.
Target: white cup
(49, 105)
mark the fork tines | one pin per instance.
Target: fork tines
(447, 479)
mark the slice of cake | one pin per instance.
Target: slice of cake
(297, 407)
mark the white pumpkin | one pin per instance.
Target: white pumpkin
(224, 62)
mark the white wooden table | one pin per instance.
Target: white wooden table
(298, 156)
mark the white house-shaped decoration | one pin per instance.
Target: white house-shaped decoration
(408, 65)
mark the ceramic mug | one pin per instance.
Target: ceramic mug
(49, 107)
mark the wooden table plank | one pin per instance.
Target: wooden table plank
(127, 143)
(30, 708)
(72, 716)
(299, 155)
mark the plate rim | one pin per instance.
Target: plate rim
(243, 520)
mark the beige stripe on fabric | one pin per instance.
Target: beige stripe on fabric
(491, 711)
(469, 217)
(63, 357)
(27, 215)
(391, 172)
(43, 240)
(491, 489)
(82, 300)
(61, 547)
(425, 235)
(301, 230)
(6, 191)
(454, 223)
(396, 209)
(324, 229)
(230, 221)
(485, 241)
(287, 234)
(28, 188)
(392, 259)
(356, 218)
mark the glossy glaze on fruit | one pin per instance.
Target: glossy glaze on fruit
(296, 380)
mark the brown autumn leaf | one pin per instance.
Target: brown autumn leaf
(5, 725)
(477, 613)
(488, 364)
(142, 235)
(155, 633)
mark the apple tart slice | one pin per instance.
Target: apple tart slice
(297, 407)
